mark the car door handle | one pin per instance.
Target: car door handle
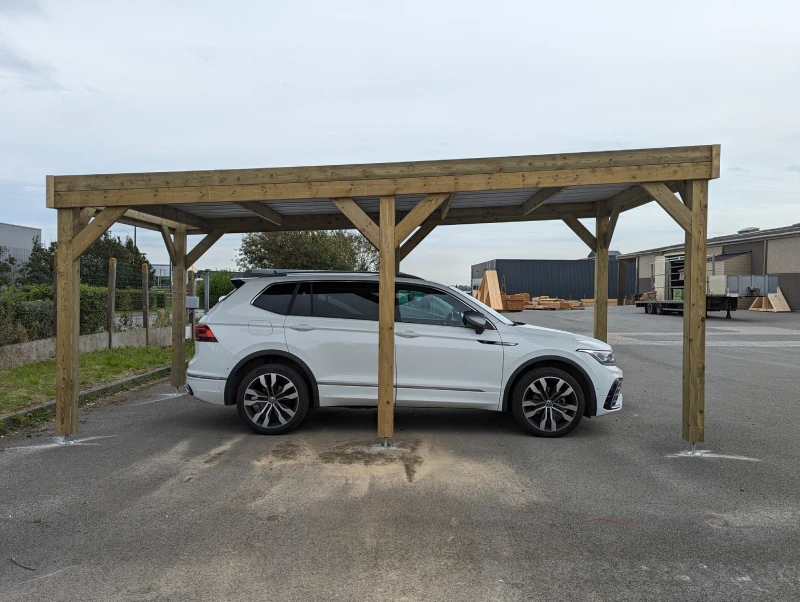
(501, 343)
(302, 327)
(408, 334)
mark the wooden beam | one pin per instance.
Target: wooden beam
(360, 220)
(445, 208)
(139, 224)
(172, 217)
(100, 224)
(386, 304)
(178, 370)
(694, 314)
(167, 236)
(68, 323)
(406, 169)
(601, 275)
(581, 230)
(634, 193)
(417, 215)
(414, 240)
(671, 204)
(612, 224)
(298, 191)
(539, 199)
(145, 216)
(263, 212)
(204, 245)
(716, 151)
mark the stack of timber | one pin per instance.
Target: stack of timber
(590, 302)
(774, 304)
(489, 291)
(516, 302)
(552, 303)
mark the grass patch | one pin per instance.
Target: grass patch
(30, 385)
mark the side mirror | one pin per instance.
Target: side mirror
(475, 320)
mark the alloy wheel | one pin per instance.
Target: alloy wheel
(550, 404)
(271, 400)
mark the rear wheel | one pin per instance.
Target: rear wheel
(659, 309)
(648, 309)
(548, 402)
(272, 399)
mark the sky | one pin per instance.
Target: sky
(107, 87)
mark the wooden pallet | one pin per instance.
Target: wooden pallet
(771, 303)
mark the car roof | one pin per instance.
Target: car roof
(261, 281)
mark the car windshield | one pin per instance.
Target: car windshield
(485, 308)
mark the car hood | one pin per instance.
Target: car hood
(539, 332)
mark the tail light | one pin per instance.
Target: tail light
(203, 334)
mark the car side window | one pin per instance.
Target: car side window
(302, 301)
(424, 305)
(276, 298)
(345, 300)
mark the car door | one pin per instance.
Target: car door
(333, 327)
(439, 360)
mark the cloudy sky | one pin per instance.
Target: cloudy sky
(93, 87)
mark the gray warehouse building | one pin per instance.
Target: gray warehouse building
(17, 241)
(749, 251)
(564, 278)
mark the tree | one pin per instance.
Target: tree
(311, 250)
(39, 267)
(94, 262)
(7, 263)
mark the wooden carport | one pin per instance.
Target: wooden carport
(394, 205)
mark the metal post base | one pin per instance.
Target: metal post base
(386, 442)
(68, 440)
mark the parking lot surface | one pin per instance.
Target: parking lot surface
(166, 498)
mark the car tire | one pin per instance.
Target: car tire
(648, 309)
(660, 309)
(273, 399)
(530, 397)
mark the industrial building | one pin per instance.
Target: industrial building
(564, 278)
(749, 251)
(17, 241)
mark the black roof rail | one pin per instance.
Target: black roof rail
(274, 272)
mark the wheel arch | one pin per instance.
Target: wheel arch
(555, 361)
(259, 358)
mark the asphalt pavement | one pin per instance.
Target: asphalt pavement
(164, 497)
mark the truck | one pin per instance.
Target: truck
(723, 291)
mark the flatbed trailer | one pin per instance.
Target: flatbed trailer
(713, 303)
(722, 291)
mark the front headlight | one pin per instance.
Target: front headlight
(604, 357)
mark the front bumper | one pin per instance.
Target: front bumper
(211, 390)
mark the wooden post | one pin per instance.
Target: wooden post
(601, 274)
(110, 302)
(146, 302)
(68, 329)
(190, 292)
(694, 313)
(179, 310)
(386, 319)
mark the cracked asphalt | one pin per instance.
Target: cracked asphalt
(166, 498)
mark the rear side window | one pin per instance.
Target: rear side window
(345, 300)
(302, 301)
(276, 298)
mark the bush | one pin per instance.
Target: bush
(220, 284)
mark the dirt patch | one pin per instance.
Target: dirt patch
(286, 451)
(355, 452)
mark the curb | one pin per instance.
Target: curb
(94, 393)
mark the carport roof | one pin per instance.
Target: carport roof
(501, 189)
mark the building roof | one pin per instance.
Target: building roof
(739, 237)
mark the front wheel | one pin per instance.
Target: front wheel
(272, 399)
(548, 402)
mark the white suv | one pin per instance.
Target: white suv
(280, 345)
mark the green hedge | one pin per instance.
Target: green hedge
(26, 312)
